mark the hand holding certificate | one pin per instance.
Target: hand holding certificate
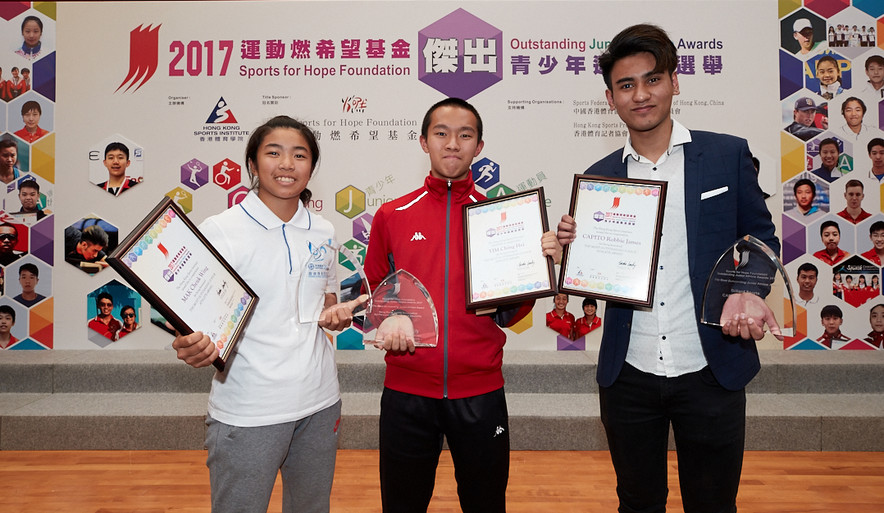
(617, 241)
(504, 255)
(169, 262)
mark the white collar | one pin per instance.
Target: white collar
(258, 211)
(679, 136)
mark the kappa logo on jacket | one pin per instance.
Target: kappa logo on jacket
(418, 236)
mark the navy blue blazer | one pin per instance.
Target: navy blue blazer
(713, 162)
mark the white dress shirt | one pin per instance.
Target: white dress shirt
(664, 339)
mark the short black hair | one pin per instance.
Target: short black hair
(7, 142)
(831, 311)
(94, 234)
(590, 301)
(830, 140)
(6, 309)
(804, 181)
(103, 295)
(31, 268)
(116, 146)
(828, 224)
(451, 102)
(862, 104)
(642, 38)
(30, 105)
(29, 183)
(877, 141)
(874, 59)
(876, 227)
(807, 266)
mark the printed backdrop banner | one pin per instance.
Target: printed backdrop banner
(183, 84)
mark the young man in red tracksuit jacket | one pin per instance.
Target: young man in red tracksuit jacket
(455, 389)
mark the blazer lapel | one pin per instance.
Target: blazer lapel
(692, 169)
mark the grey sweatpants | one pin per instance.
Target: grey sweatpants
(243, 462)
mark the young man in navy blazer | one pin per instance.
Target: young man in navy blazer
(661, 366)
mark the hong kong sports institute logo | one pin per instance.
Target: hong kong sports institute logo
(144, 50)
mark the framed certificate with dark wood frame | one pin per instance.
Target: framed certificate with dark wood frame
(503, 253)
(614, 256)
(172, 265)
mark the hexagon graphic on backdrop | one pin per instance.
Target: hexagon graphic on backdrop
(792, 159)
(350, 339)
(499, 190)
(43, 239)
(819, 189)
(43, 80)
(226, 174)
(13, 323)
(88, 241)
(880, 108)
(486, 173)
(851, 39)
(794, 239)
(460, 55)
(22, 156)
(873, 8)
(807, 42)
(111, 169)
(856, 274)
(30, 117)
(103, 307)
(843, 65)
(844, 158)
(3, 111)
(182, 197)
(194, 174)
(846, 233)
(826, 8)
(803, 115)
(350, 201)
(42, 194)
(43, 158)
(14, 244)
(9, 10)
(362, 227)
(28, 281)
(46, 15)
(523, 324)
(236, 196)
(41, 325)
(566, 344)
(358, 249)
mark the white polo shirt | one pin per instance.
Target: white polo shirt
(283, 370)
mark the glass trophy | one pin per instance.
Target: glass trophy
(399, 294)
(749, 266)
(321, 275)
(402, 294)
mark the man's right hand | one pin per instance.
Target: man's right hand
(196, 349)
(567, 230)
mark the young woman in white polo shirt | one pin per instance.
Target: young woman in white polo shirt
(277, 406)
